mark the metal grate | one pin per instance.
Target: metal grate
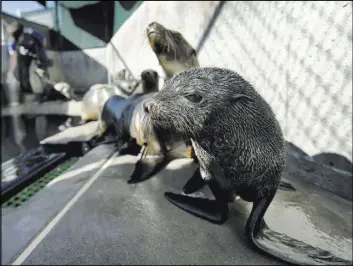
(29, 191)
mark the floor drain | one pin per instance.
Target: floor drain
(33, 188)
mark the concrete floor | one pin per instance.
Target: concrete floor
(117, 223)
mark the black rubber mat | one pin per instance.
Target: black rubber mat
(37, 185)
(24, 169)
(72, 149)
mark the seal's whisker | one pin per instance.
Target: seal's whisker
(146, 124)
(170, 41)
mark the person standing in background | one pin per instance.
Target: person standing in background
(25, 45)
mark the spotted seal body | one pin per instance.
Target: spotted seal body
(242, 152)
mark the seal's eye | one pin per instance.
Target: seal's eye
(194, 98)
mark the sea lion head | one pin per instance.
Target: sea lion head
(174, 53)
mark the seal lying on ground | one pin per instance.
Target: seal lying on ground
(94, 99)
(124, 119)
(242, 153)
(109, 112)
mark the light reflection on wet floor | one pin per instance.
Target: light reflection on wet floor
(314, 216)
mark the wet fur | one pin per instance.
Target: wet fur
(175, 54)
(241, 152)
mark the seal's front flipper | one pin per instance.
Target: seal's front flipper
(132, 148)
(215, 211)
(286, 186)
(145, 168)
(206, 209)
(194, 183)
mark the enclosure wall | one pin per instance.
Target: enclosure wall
(298, 55)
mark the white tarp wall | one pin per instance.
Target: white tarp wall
(298, 55)
(84, 68)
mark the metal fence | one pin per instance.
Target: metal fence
(298, 55)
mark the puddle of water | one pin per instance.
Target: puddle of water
(315, 217)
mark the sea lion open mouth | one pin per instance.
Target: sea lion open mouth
(156, 42)
(158, 47)
(173, 51)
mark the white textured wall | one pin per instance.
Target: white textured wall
(82, 69)
(298, 55)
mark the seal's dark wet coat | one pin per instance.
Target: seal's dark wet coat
(124, 118)
(240, 146)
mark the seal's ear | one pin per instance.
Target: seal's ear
(240, 97)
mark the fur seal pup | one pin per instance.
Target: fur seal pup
(109, 112)
(94, 99)
(242, 152)
(124, 118)
(173, 52)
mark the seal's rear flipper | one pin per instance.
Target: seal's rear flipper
(206, 209)
(286, 186)
(146, 168)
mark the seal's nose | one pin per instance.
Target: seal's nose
(146, 74)
(152, 24)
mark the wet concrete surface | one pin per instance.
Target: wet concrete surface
(20, 225)
(313, 215)
(117, 223)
